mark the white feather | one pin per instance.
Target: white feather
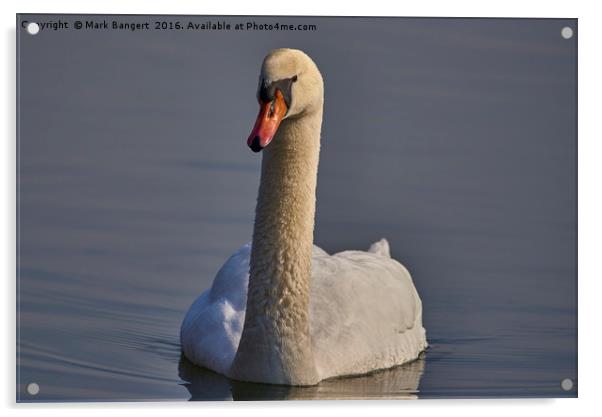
(365, 314)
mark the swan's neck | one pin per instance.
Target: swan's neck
(275, 345)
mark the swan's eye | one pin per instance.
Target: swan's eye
(295, 78)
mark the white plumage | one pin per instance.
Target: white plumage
(364, 313)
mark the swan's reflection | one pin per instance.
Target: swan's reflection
(401, 382)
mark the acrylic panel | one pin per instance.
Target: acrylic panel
(453, 138)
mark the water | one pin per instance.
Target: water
(455, 139)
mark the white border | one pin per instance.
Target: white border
(508, 8)
(590, 200)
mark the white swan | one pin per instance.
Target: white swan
(309, 315)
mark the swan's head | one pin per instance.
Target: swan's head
(290, 85)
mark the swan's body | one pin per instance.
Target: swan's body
(282, 310)
(364, 314)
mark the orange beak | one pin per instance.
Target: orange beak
(269, 118)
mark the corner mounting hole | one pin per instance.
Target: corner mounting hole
(33, 388)
(566, 32)
(566, 384)
(33, 28)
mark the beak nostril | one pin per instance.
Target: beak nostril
(271, 112)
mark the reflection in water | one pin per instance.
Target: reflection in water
(401, 382)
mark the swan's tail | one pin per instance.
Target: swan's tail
(381, 248)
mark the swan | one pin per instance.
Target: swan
(281, 310)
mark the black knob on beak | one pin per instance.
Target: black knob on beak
(267, 92)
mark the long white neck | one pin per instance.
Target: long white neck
(275, 345)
